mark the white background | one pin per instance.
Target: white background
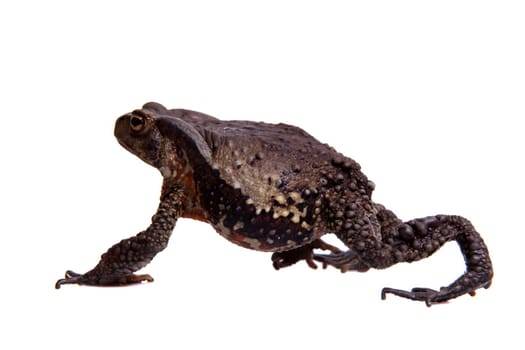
(427, 96)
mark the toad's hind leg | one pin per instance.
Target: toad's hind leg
(426, 236)
(417, 239)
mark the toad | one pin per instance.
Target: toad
(274, 188)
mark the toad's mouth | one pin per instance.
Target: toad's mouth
(129, 148)
(126, 146)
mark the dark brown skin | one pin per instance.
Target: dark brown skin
(274, 188)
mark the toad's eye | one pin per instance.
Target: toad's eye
(137, 123)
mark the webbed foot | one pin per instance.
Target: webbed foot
(93, 280)
(344, 261)
(429, 296)
(290, 257)
(462, 286)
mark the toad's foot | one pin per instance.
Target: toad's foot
(93, 280)
(344, 261)
(465, 284)
(290, 257)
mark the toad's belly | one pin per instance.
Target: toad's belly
(282, 222)
(264, 232)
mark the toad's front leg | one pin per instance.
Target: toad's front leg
(117, 265)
